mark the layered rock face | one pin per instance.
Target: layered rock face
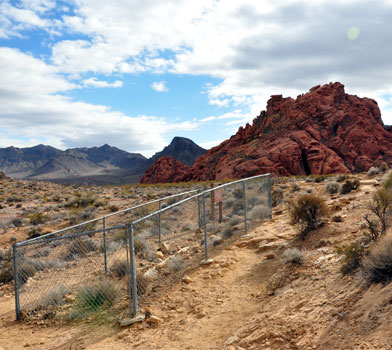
(324, 131)
(165, 169)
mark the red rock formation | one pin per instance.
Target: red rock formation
(165, 169)
(324, 131)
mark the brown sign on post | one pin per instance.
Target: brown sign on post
(218, 195)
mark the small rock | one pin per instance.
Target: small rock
(216, 240)
(207, 262)
(187, 279)
(165, 248)
(159, 254)
(232, 340)
(337, 218)
(154, 321)
(270, 256)
(200, 314)
(128, 321)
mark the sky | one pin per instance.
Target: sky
(135, 73)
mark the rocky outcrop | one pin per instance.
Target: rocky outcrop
(3, 176)
(165, 169)
(324, 131)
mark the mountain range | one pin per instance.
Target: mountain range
(98, 165)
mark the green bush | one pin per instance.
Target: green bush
(349, 186)
(97, 296)
(307, 212)
(6, 273)
(352, 257)
(381, 206)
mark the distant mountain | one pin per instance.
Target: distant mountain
(21, 162)
(99, 165)
(182, 149)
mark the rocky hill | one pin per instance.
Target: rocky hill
(324, 131)
(165, 169)
(182, 149)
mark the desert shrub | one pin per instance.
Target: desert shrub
(388, 182)
(332, 187)
(293, 256)
(120, 235)
(94, 297)
(341, 178)
(380, 206)
(352, 257)
(113, 208)
(144, 248)
(307, 211)
(319, 178)
(37, 218)
(80, 202)
(377, 265)
(229, 202)
(349, 185)
(259, 212)
(383, 167)
(80, 247)
(17, 222)
(176, 263)
(25, 271)
(238, 193)
(35, 232)
(14, 198)
(55, 297)
(187, 227)
(295, 188)
(372, 171)
(6, 273)
(119, 268)
(276, 197)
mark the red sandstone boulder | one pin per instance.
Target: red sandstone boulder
(324, 131)
(165, 169)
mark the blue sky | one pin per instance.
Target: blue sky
(135, 73)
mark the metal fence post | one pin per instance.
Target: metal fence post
(244, 197)
(159, 221)
(269, 195)
(134, 305)
(198, 209)
(104, 245)
(16, 281)
(205, 229)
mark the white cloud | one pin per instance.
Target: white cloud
(159, 86)
(33, 109)
(94, 82)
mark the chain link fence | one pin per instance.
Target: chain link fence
(111, 266)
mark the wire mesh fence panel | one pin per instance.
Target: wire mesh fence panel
(68, 277)
(258, 206)
(167, 245)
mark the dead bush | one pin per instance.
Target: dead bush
(307, 212)
(293, 256)
(377, 265)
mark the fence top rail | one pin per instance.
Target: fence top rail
(109, 215)
(197, 195)
(72, 235)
